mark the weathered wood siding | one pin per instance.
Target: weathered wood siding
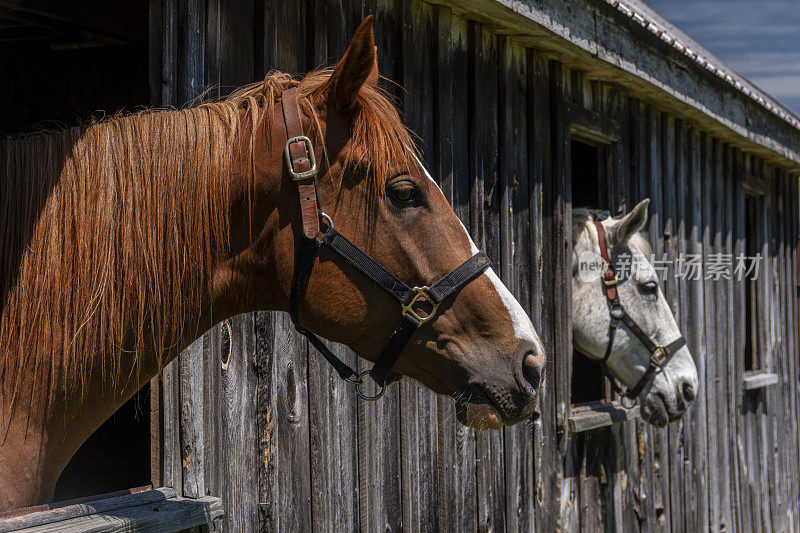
(285, 443)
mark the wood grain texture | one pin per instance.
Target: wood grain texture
(419, 433)
(285, 441)
(515, 241)
(159, 510)
(456, 443)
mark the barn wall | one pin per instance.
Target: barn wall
(285, 442)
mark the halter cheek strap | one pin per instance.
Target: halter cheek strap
(418, 304)
(659, 355)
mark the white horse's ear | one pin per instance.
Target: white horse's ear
(632, 223)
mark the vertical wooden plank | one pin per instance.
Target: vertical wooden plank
(183, 73)
(264, 342)
(333, 413)
(721, 333)
(671, 243)
(771, 402)
(729, 360)
(619, 164)
(789, 382)
(169, 51)
(235, 479)
(640, 149)
(707, 154)
(587, 450)
(169, 415)
(767, 321)
(750, 404)
(190, 50)
(379, 475)
(561, 196)
(645, 434)
(653, 147)
(264, 325)
(547, 466)
(332, 403)
(285, 437)
(780, 421)
(190, 375)
(740, 234)
(515, 239)
(635, 503)
(696, 486)
(681, 445)
(793, 361)
(155, 49)
(485, 217)
(225, 31)
(777, 424)
(418, 427)
(456, 443)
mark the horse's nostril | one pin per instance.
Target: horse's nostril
(688, 391)
(533, 369)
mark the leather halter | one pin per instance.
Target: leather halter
(659, 355)
(418, 305)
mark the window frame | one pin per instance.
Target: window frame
(603, 133)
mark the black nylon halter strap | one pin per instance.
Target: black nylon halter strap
(367, 266)
(659, 355)
(418, 304)
(447, 286)
(410, 319)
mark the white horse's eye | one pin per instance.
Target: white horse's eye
(650, 287)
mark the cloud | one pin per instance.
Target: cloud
(760, 40)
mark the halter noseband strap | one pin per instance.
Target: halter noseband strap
(659, 355)
(418, 304)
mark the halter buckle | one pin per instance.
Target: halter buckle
(610, 282)
(420, 296)
(659, 356)
(297, 176)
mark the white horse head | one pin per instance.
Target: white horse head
(673, 386)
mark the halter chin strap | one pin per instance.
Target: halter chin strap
(418, 304)
(659, 355)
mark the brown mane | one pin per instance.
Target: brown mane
(119, 223)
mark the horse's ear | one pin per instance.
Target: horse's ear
(358, 66)
(632, 223)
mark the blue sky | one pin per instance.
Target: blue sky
(760, 39)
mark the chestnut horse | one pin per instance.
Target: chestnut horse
(124, 241)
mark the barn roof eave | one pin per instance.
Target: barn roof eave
(621, 41)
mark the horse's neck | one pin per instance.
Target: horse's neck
(118, 273)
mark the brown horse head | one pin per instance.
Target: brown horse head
(123, 241)
(481, 347)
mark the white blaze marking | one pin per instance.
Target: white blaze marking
(523, 327)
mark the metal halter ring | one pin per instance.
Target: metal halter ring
(323, 215)
(359, 381)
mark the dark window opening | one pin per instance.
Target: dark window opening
(62, 68)
(753, 215)
(585, 176)
(115, 457)
(588, 382)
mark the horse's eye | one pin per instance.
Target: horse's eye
(650, 287)
(403, 192)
